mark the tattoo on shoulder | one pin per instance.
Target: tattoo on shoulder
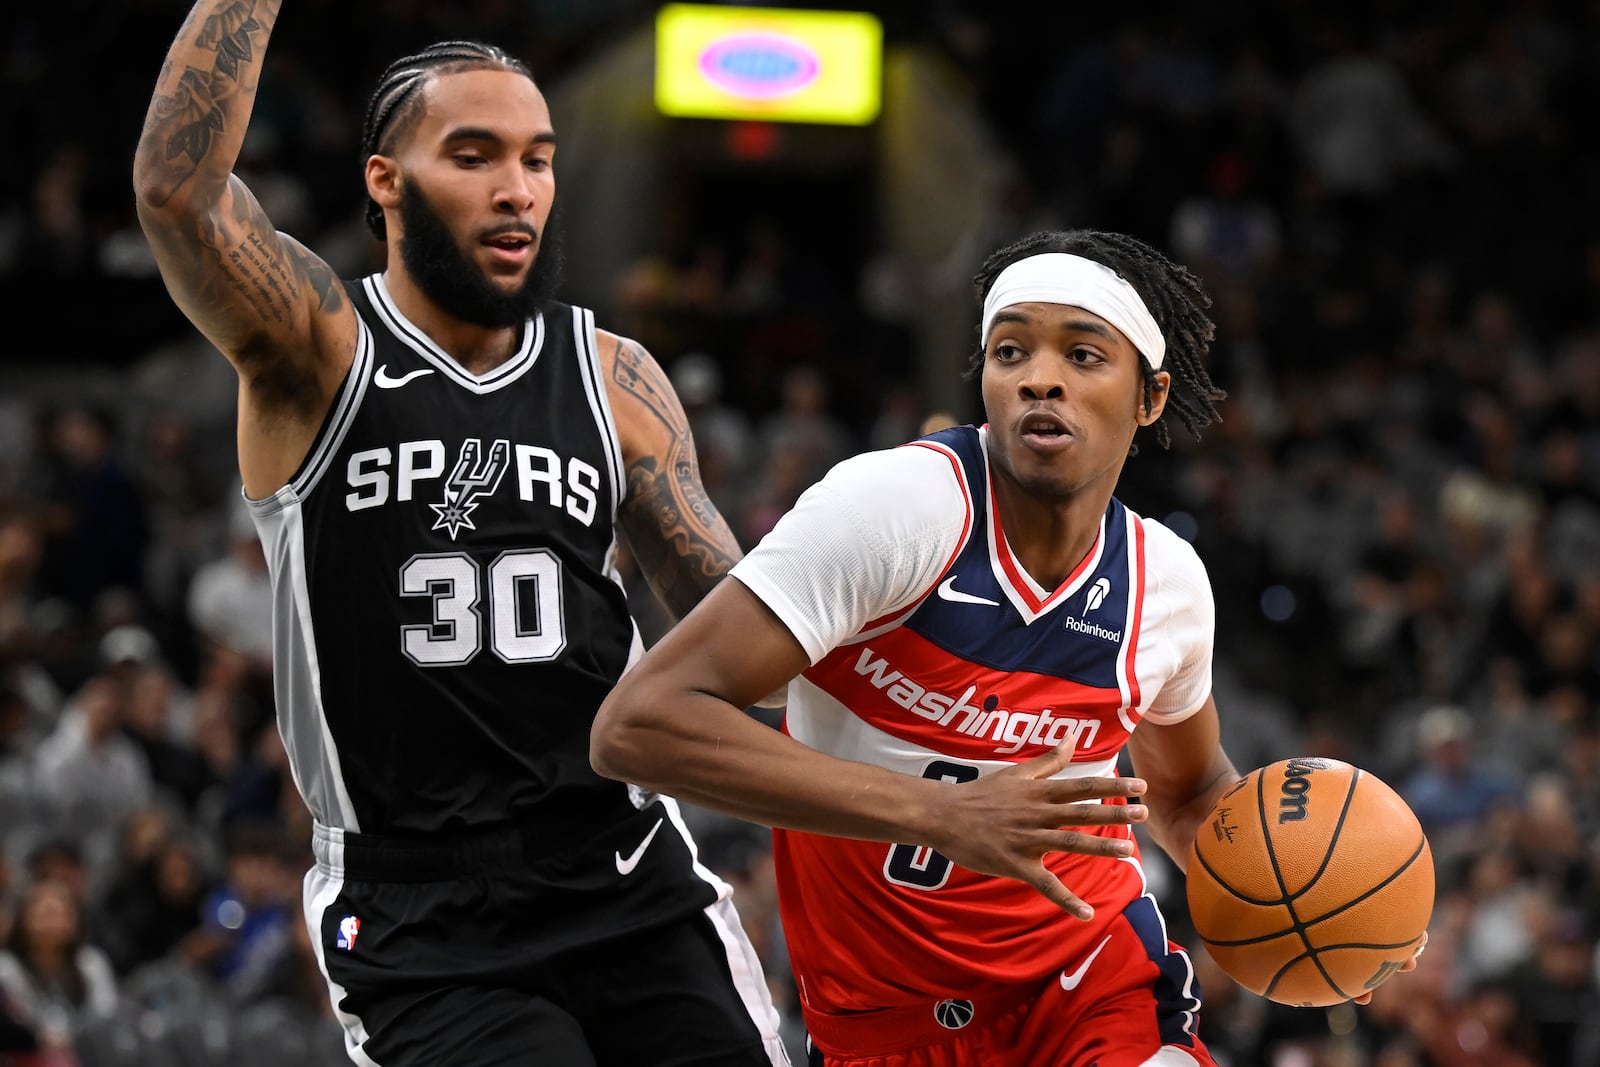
(240, 261)
(680, 539)
(262, 279)
(636, 372)
(323, 281)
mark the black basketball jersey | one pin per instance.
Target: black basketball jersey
(448, 615)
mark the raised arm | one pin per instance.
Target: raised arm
(272, 307)
(680, 539)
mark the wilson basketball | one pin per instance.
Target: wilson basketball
(1311, 882)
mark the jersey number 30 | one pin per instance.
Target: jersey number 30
(524, 599)
(918, 866)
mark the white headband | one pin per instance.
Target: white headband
(1060, 278)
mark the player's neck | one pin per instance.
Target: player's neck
(1049, 536)
(479, 349)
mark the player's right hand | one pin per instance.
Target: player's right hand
(1005, 823)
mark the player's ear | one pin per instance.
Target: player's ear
(383, 181)
(1153, 401)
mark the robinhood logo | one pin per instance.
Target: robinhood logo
(1097, 594)
(1093, 629)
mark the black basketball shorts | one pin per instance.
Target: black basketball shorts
(475, 953)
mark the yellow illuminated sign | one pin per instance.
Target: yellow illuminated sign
(770, 64)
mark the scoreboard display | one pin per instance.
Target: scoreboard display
(768, 64)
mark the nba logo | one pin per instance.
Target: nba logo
(349, 927)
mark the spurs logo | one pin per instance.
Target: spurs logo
(474, 477)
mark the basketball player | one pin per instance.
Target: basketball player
(435, 457)
(975, 628)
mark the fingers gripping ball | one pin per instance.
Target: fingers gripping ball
(1311, 882)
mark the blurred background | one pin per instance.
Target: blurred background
(1394, 205)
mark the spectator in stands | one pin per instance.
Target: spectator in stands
(1451, 791)
(177, 770)
(1225, 231)
(155, 900)
(59, 859)
(50, 977)
(722, 435)
(89, 772)
(17, 791)
(94, 516)
(230, 600)
(244, 936)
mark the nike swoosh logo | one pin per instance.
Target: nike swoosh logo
(948, 591)
(625, 866)
(1069, 982)
(383, 381)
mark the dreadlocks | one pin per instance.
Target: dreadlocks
(393, 109)
(1174, 296)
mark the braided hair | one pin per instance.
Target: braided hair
(1176, 300)
(394, 109)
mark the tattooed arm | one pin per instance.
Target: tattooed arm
(681, 541)
(271, 306)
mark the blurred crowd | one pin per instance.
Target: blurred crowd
(1395, 212)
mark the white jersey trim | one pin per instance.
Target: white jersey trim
(1127, 680)
(594, 386)
(346, 405)
(419, 342)
(1019, 586)
(743, 962)
(321, 887)
(1190, 1014)
(594, 383)
(1174, 673)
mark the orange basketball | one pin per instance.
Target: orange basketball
(1310, 882)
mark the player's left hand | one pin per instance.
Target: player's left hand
(1408, 965)
(1005, 823)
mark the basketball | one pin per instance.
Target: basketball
(1311, 882)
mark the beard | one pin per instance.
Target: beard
(433, 258)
